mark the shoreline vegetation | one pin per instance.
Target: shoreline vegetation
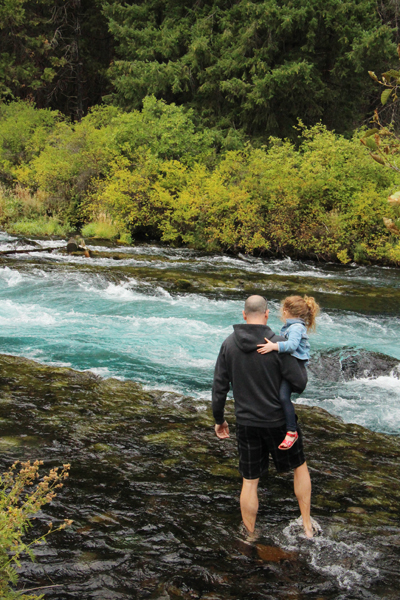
(155, 175)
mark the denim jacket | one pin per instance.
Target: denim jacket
(297, 343)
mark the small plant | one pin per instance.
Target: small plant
(21, 496)
(125, 238)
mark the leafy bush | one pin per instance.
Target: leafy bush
(168, 131)
(73, 155)
(21, 496)
(21, 203)
(321, 200)
(153, 173)
(125, 195)
(23, 134)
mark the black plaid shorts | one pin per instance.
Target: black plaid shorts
(255, 444)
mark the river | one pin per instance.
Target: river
(106, 317)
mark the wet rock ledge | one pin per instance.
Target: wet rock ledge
(154, 495)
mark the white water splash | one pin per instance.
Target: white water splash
(20, 314)
(350, 564)
(11, 276)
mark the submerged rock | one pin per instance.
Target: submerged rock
(154, 496)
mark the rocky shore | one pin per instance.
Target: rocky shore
(154, 496)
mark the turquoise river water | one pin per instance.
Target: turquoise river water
(57, 311)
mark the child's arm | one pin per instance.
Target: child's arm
(268, 347)
(293, 341)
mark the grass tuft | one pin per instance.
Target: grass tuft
(100, 229)
(43, 226)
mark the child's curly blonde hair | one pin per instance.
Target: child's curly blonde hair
(302, 308)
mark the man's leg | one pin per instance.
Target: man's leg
(302, 489)
(249, 503)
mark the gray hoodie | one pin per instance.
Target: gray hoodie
(255, 378)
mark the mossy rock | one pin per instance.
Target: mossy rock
(342, 457)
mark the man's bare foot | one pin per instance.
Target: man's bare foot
(311, 528)
(308, 531)
(249, 536)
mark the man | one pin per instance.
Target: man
(260, 421)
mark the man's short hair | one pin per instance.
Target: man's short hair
(255, 304)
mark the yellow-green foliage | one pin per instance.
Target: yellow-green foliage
(154, 173)
(393, 252)
(125, 194)
(322, 200)
(72, 157)
(207, 210)
(325, 199)
(22, 204)
(24, 132)
(167, 130)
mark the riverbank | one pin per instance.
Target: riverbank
(154, 497)
(107, 232)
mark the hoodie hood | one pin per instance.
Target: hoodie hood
(247, 336)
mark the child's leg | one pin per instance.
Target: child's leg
(284, 396)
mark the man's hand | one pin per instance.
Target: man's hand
(222, 431)
(268, 347)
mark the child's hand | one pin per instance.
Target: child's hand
(268, 347)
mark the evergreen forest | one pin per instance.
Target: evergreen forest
(220, 125)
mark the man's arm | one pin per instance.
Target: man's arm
(291, 370)
(220, 387)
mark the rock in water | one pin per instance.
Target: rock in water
(26, 242)
(72, 246)
(352, 363)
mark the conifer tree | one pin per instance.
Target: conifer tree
(54, 53)
(256, 65)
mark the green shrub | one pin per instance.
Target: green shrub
(21, 496)
(167, 130)
(20, 203)
(125, 196)
(125, 238)
(154, 173)
(23, 134)
(75, 155)
(321, 200)
(72, 157)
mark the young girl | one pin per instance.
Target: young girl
(299, 315)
